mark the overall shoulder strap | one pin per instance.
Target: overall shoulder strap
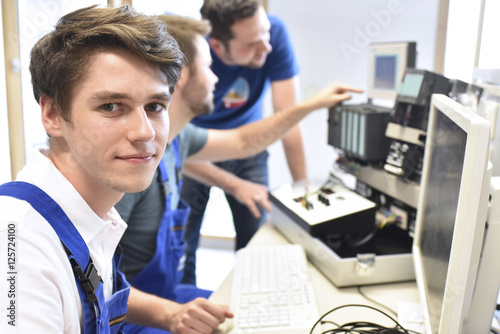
(52, 212)
(178, 165)
(162, 166)
(71, 239)
(175, 145)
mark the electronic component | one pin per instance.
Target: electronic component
(418, 85)
(408, 125)
(390, 211)
(387, 63)
(405, 160)
(384, 258)
(331, 208)
(358, 130)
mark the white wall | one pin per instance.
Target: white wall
(179, 7)
(36, 18)
(320, 31)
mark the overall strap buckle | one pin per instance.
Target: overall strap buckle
(88, 279)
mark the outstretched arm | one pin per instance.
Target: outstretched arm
(252, 138)
(197, 316)
(247, 193)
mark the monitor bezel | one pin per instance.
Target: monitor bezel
(406, 60)
(472, 207)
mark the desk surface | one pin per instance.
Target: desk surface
(328, 296)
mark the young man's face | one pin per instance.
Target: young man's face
(250, 45)
(119, 123)
(198, 91)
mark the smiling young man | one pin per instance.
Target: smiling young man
(104, 80)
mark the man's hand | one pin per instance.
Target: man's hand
(251, 194)
(245, 192)
(199, 316)
(331, 96)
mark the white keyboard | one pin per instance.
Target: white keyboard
(271, 291)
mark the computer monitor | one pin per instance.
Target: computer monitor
(451, 257)
(388, 62)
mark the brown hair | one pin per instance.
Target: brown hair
(184, 30)
(62, 57)
(222, 14)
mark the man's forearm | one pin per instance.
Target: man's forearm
(140, 308)
(254, 137)
(295, 153)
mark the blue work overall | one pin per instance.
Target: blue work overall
(110, 313)
(161, 276)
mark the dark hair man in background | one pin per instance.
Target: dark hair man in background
(252, 53)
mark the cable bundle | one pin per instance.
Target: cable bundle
(360, 327)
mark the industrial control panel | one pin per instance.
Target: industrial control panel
(384, 148)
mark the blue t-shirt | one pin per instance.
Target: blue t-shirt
(239, 94)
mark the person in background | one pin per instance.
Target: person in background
(104, 80)
(153, 242)
(251, 53)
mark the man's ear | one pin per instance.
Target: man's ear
(184, 77)
(217, 46)
(51, 119)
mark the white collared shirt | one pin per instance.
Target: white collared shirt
(45, 295)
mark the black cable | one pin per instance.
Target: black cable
(330, 322)
(361, 327)
(357, 240)
(374, 301)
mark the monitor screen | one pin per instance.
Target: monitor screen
(451, 215)
(385, 71)
(411, 84)
(388, 61)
